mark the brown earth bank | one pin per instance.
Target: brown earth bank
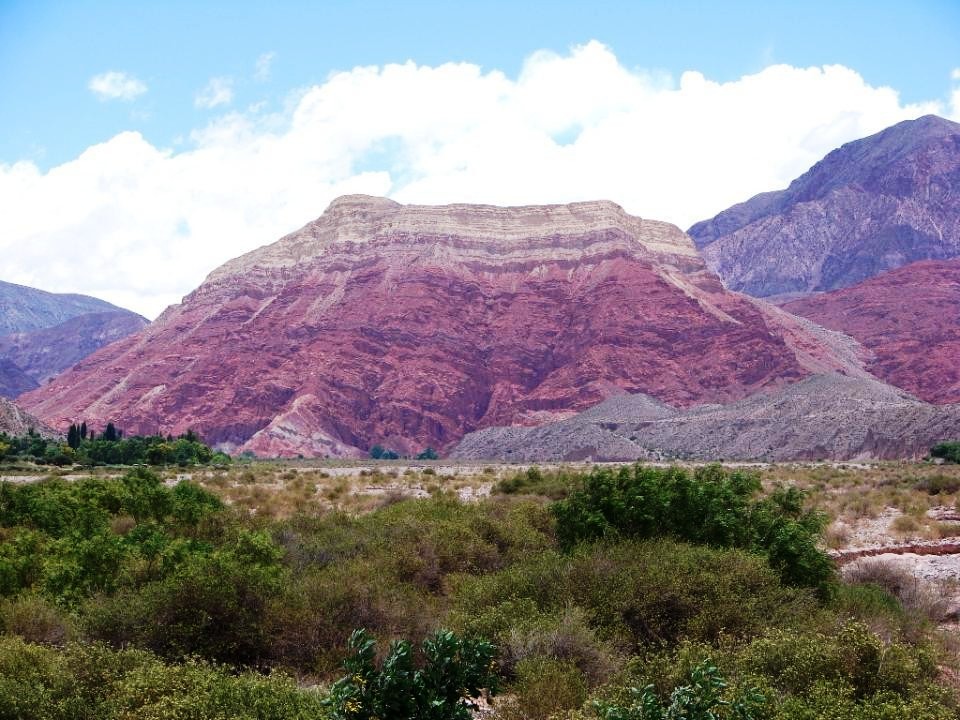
(409, 326)
(870, 206)
(909, 320)
(822, 417)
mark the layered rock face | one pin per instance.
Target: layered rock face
(409, 326)
(909, 320)
(43, 333)
(823, 417)
(870, 206)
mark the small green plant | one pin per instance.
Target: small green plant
(454, 672)
(704, 698)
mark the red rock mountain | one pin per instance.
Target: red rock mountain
(409, 326)
(867, 207)
(908, 318)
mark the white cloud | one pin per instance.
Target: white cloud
(219, 91)
(264, 64)
(142, 226)
(115, 85)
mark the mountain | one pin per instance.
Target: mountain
(822, 417)
(871, 205)
(15, 421)
(23, 309)
(409, 326)
(43, 333)
(908, 319)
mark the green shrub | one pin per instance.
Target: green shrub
(544, 687)
(949, 451)
(635, 592)
(705, 697)
(712, 507)
(454, 672)
(92, 681)
(212, 605)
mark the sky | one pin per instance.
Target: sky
(144, 144)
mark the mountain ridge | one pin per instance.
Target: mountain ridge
(872, 205)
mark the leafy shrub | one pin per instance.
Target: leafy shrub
(454, 672)
(212, 605)
(949, 451)
(706, 697)
(712, 507)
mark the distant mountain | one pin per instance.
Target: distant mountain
(870, 206)
(43, 333)
(409, 326)
(909, 320)
(23, 309)
(823, 417)
(14, 420)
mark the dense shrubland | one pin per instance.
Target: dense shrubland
(127, 598)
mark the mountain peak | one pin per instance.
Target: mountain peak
(871, 205)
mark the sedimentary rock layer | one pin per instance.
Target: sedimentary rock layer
(909, 321)
(408, 326)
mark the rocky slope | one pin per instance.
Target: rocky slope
(409, 326)
(43, 333)
(822, 417)
(869, 206)
(909, 320)
(15, 421)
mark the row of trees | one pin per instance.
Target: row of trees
(86, 447)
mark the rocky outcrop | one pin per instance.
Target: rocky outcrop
(15, 421)
(409, 326)
(821, 418)
(909, 321)
(29, 359)
(869, 206)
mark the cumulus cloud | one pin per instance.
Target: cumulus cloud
(141, 225)
(219, 91)
(116, 85)
(263, 66)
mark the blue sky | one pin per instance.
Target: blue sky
(50, 50)
(142, 144)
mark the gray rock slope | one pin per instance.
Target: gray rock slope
(823, 417)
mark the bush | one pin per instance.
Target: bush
(454, 672)
(92, 681)
(634, 593)
(706, 697)
(210, 605)
(713, 507)
(936, 484)
(949, 451)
